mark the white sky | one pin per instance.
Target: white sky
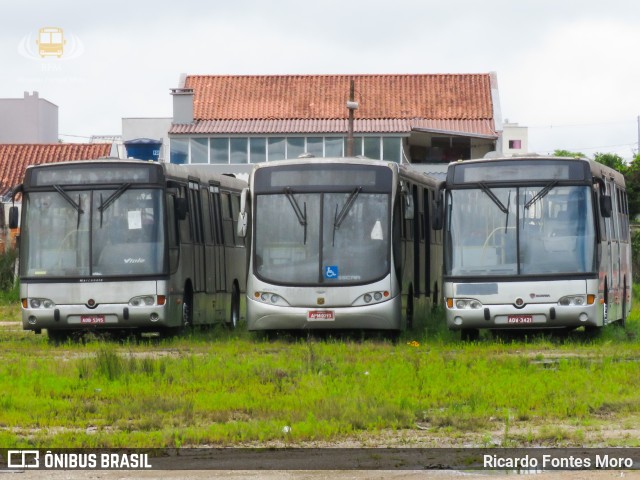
(567, 69)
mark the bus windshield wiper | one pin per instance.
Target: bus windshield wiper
(71, 201)
(112, 198)
(541, 194)
(493, 197)
(339, 217)
(302, 215)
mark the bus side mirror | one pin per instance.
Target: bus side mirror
(605, 206)
(408, 207)
(437, 222)
(14, 217)
(181, 207)
(243, 218)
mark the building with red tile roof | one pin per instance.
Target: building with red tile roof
(418, 118)
(15, 158)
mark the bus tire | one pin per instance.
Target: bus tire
(623, 318)
(57, 337)
(187, 310)
(409, 310)
(469, 334)
(234, 317)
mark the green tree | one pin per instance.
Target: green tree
(612, 160)
(632, 180)
(567, 153)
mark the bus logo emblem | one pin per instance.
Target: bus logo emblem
(51, 42)
(320, 301)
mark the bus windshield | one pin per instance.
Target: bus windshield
(80, 233)
(531, 230)
(322, 238)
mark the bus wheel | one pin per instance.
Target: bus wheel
(57, 337)
(623, 319)
(469, 334)
(409, 309)
(234, 318)
(187, 311)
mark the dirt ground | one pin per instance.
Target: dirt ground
(312, 475)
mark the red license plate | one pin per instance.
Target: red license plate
(92, 319)
(519, 319)
(320, 315)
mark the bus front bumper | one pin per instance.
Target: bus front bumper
(531, 316)
(379, 316)
(103, 317)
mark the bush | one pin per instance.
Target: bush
(635, 255)
(7, 269)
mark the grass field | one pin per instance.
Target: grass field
(232, 388)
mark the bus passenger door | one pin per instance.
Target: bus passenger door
(195, 210)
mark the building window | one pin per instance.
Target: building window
(199, 150)
(515, 144)
(238, 150)
(333, 146)
(372, 147)
(295, 147)
(314, 146)
(277, 148)
(392, 149)
(179, 151)
(257, 149)
(219, 149)
(242, 150)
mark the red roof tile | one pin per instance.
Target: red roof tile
(15, 158)
(482, 127)
(425, 96)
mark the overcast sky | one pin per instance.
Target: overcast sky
(567, 69)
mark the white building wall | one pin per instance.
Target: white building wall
(153, 128)
(515, 139)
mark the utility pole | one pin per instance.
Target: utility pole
(352, 105)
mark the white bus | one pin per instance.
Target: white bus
(128, 246)
(339, 244)
(535, 242)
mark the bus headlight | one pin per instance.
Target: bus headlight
(271, 298)
(372, 297)
(40, 303)
(577, 300)
(143, 301)
(464, 303)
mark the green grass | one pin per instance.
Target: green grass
(232, 388)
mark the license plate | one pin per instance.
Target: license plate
(320, 315)
(91, 319)
(519, 319)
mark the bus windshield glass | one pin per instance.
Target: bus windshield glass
(524, 230)
(322, 238)
(115, 231)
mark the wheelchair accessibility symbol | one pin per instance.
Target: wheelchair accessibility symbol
(331, 272)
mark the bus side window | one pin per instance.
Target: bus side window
(206, 216)
(185, 224)
(216, 221)
(172, 234)
(235, 211)
(196, 212)
(227, 219)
